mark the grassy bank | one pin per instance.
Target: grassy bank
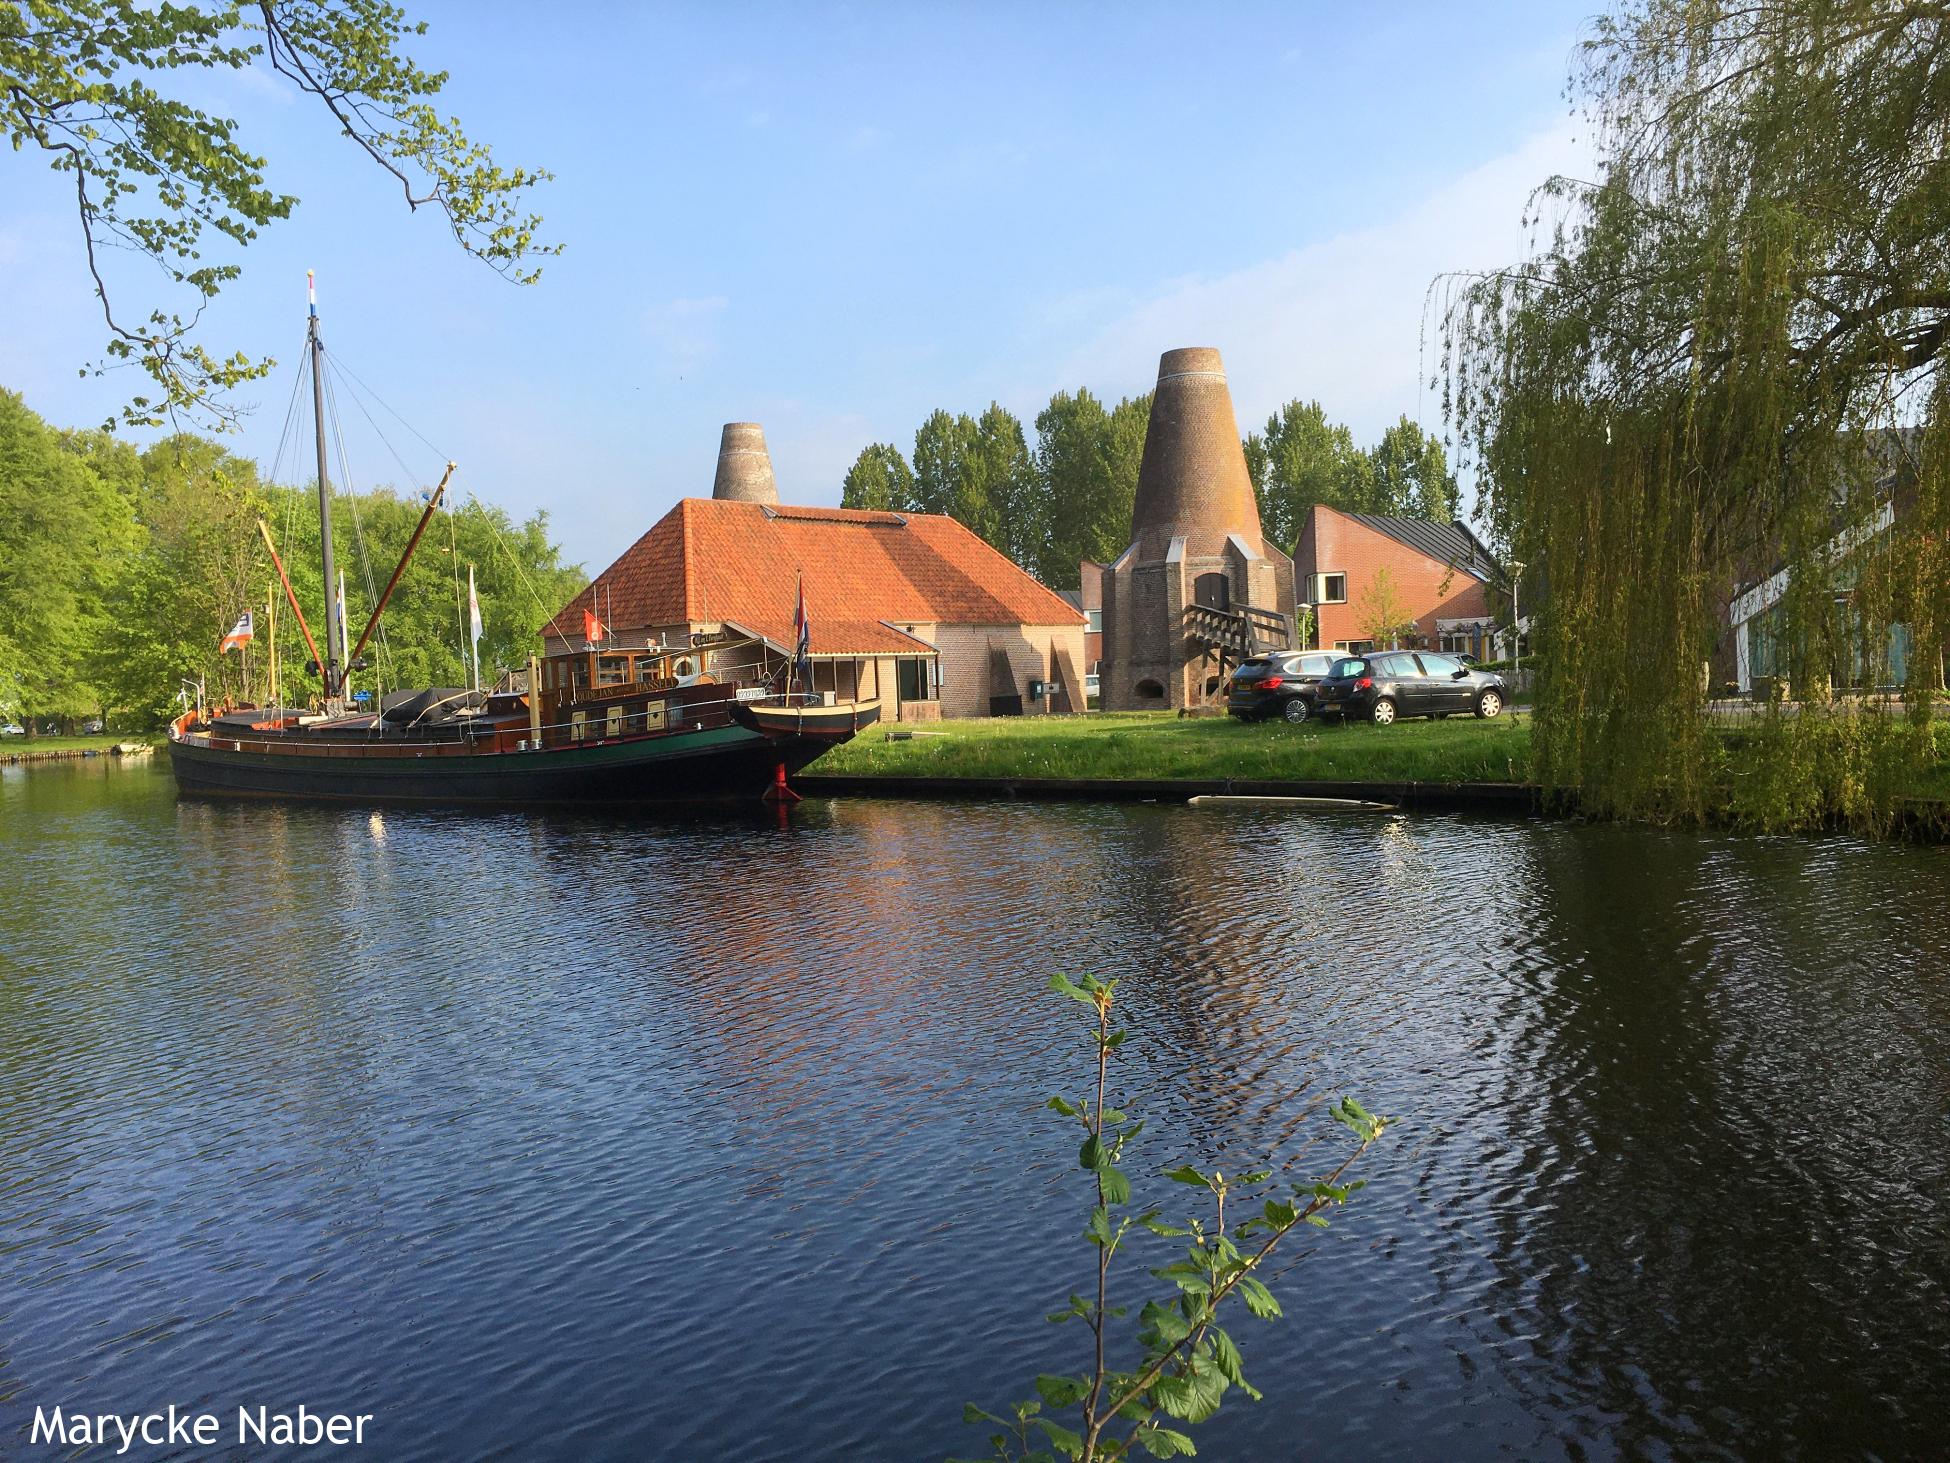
(1148, 744)
(104, 744)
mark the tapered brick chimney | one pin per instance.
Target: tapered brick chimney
(1193, 481)
(1195, 541)
(744, 466)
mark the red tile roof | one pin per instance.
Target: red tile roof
(711, 561)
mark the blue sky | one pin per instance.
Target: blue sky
(833, 219)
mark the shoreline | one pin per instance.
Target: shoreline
(1524, 799)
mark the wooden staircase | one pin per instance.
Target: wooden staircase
(1231, 636)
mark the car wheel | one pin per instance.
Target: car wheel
(1489, 704)
(1384, 712)
(1295, 710)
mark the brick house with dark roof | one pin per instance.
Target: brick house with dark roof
(910, 609)
(1441, 575)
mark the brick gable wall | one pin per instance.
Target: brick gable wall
(1427, 588)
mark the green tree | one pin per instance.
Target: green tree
(1411, 477)
(99, 88)
(1384, 617)
(1086, 467)
(1306, 460)
(978, 471)
(879, 479)
(1724, 359)
(65, 531)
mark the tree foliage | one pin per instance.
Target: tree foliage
(120, 572)
(1724, 360)
(96, 87)
(1302, 458)
(1069, 497)
(879, 480)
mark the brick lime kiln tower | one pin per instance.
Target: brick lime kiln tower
(1200, 587)
(744, 466)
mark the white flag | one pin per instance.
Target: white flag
(474, 624)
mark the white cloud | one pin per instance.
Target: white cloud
(1342, 319)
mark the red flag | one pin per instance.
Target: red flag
(593, 629)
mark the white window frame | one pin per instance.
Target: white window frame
(1321, 586)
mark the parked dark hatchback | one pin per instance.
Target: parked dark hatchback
(1281, 684)
(1396, 683)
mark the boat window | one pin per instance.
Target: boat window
(578, 725)
(615, 726)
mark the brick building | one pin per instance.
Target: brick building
(1199, 584)
(910, 609)
(1439, 576)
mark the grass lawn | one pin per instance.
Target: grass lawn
(1150, 744)
(16, 746)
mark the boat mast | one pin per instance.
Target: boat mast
(333, 669)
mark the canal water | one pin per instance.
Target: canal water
(601, 1137)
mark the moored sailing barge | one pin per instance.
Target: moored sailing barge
(686, 722)
(596, 725)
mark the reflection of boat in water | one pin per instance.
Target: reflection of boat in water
(614, 724)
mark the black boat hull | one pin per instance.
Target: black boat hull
(715, 764)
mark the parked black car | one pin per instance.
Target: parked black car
(1396, 683)
(1280, 684)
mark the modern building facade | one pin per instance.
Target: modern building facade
(1374, 580)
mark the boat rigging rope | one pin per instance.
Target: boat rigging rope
(384, 652)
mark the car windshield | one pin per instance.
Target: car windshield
(1352, 666)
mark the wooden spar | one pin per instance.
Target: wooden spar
(535, 702)
(393, 583)
(285, 579)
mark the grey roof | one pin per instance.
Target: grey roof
(1446, 543)
(1073, 596)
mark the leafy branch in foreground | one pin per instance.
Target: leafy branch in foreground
(1187, 1361)
(86, 82)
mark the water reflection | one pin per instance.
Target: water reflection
(569, 1136)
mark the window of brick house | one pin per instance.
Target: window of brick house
(1333, 589)
(914, 680)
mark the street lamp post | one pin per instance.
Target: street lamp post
(1516, 620)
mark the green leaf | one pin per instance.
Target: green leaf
(1062, 1105)
(1186, 1174)
(1116, 1186)
(1078, 1307)
(1062, 1391)
(1098, 1231)
(971, 1413)
(1167, 1231)
(1070, 1444)
(1162, 1442)
(1091, 1154)
(1225, 1355)
(1259, 1300)
(1164, 1326)
(1062, 985)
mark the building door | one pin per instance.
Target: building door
(1214, 591)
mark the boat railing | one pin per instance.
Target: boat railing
(591, 726)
